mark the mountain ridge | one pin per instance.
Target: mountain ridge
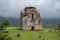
(46, 21)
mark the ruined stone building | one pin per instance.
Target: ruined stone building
(30, 19)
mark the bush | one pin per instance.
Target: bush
(4, 36)
(43, 38)
(40, 36)
(18, 35)
(59, 26)
(5, 22)
(6, 31)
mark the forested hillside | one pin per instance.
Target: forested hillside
(45, 22)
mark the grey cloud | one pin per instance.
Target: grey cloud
(48, 8)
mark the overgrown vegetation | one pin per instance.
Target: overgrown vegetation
(46, 34)
(6, 22)
(59, 26)
(4, 36)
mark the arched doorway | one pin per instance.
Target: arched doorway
(32, 28)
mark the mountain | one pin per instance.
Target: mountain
(46, 22)
(51, 22)
(13, 21)
(1, 18)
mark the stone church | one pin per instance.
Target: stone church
(30, 19)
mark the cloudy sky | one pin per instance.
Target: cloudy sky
(48, 8)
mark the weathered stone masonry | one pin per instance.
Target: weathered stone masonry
(30, 19)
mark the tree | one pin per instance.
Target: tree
(59, 26)
(6, 22)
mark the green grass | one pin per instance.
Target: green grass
(32, 35)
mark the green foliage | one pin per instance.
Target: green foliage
(4, 36)
(6, 22)
(32, 35)
(59, 26)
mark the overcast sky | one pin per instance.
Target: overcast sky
(48, 8)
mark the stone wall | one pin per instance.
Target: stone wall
(30, 18)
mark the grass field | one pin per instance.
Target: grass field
(46, 34)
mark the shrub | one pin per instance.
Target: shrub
(6, 31)
(40, 36)
(4, 36)
(59, 26)
(18, 35)
(6, 22)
